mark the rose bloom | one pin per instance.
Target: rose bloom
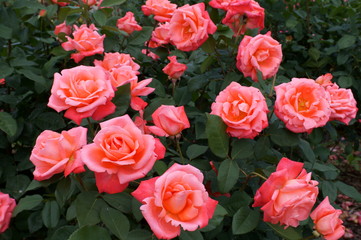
(161, 9)
(174, 69)
(189, 27)
(176, 199)
(302, 105)
(7, 205)
(87, 42)
(288, 195)
(160, 35)
(2, 81)
(83, 92)
(169, 121)
(249, 17)
(58, 152)
(115, 60)
(62, 28)
(150, 54)
(128, 23)
(122, 75)
(261, 53)
(229, 4)
(92, 2)
(325, 80)
(60, 3)
(243, 109)
(327, 221)
(121, 153)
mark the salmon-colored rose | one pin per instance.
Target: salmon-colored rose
(160, 35)
(60, 3)
(169, 121)
(243, 109)
(128, 23)
(115, 60)
(62, 28)
(83, 92)
(92, 2)
(122, 75)
(176, 199)
(189, 27)
(58, 152)
(288, 195)
(121, 153)
(7, 205)
(87, 42)
(150, 54)
(261, 53)
(302, 105)
(161, 9)
(174, 69)
(327, 221)
(325, 80)
(229, 4)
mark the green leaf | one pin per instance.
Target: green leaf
(49, 121)
(140, 37)
(185, 235)
(236, 201)
(329, 189)
(182, 96)
(245, 220)
(121, 100)
(136, 209)
(8, 124)
(17, 185)
(160, 167)
(207, 63)
(35, 222)
(88, 207)
(115, 221)
(307, 150)
(64, 191)
(100, 17)
(90, 233)
(228, 174)
(242, 148)
(289, 233)
(345, 81)
(195, 150)
(120, 201)
(217, 218)
(314, 53)
(218, 140)
(5, 70)
(28, 73)
(51, 214)
(27, 203)
(284, 137)
(139, 234)
(6, 32)
(63, 233)
(348, 190)
(346, 41)
(209, 45)
(110, 3)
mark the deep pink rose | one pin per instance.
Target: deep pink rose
(83, 92)
(174, 69)
(128, 23)
(243, 109)
(288, 195)
(7, 205)
(161, 9)
(229, 4)
(60, 3)
(176, 199)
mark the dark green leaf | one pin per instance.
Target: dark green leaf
(228, 174)
(140, 37)
(8, 124)
(329, 189)
(284, 137)
(207, 63)
(110, 3)
(242, 148)
(139, 234)
(136, 209)
(209, 45)
(245, 220)
(27, 203)
(314, 53)
(345, 81)
(160, 167)
(63, 233)
(51, 214)
(100, 17)
(185, 235)
(88, 207)
(35, 222)
(218, 140)
(346, 41)
(6, 32)
(195, 150)
(17, 185)
(49, 121)
(307, 150)
(289, 233)
(90, 233)
(348, 190)
(115, 221)
(217, 218)
(64, 190)
(120, 201)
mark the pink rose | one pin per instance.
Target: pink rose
(261, 53)
(176, 199)
(161, 9)
(122, 75)
(249, 17)
(229, 4)
(325, 80)
(86, 42)
(243, 109)
(327, 221)
(189, 27)
(92, 2)
(7, 205)
(174, 69)
(2, 81)
(150, 54)
(160, 35)
(58, 152)
(83, 92)
(128, 23)
(169, 121)
(121, 153)
(302, 105)
(62, 28)
(115, 60)
(60, 3)
(288, 195)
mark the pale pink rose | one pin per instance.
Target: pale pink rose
(288, 195)
(60, 3)
(229, 4)
(176, 199)
(58, 152)
(161, 9)
(325, 80)
(87, 42)
(122, 75)
(243, 109)
(62, 28)
(174, 69)
(115, 60)
(261, 53)
(7, 205)
(83, 92)
(160, 35)
(150, 54)
(302, 105)
(121, 153)
(189, 27)
(169, 121)
(249, 17)
(327, 221)
(128, 23)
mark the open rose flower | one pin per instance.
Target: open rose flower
(60, 3)
(161, 9)
(92, 2)
(62, 28)
(174, 69)
(128, 23)
(7, 205)
(302, 105)
(229, 4)
(87, 42)
(189, 27)
(160, 35)
(243, 109)
(327, 221)
(169, 121)
(116, 60)
(83, 92)
(288, 195)
(121, 153)
(176, 199)
(325, 80)
(58, 152)
(260, 53)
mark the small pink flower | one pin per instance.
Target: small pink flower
(128, 23)
(7, 205)
(2, 81)
(174, 69)
(160, 35)
(60, 3)
(62, 28)
(161, 9)
(150, 54)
